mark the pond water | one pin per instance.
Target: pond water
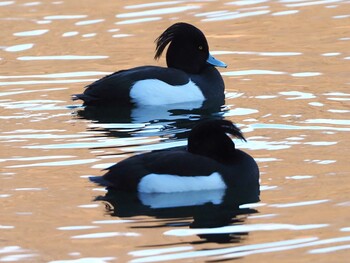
(287, 88)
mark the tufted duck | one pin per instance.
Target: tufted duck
(190, 75)
(209, 162)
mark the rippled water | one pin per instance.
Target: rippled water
(287, 87)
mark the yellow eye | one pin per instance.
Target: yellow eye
(200, 47)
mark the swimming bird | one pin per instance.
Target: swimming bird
(190, 74)
(210, 161)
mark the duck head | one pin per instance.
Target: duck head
(188, 49)
(210, 139)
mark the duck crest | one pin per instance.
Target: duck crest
(170, 33)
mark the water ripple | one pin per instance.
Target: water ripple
(161, 11)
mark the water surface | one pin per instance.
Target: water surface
(287, 88)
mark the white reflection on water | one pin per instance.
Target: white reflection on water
(328, 121)
(36, 158)
(102, 166)
(32, 4)
(288, 247)
(237, 250)
(158, 251)
(68, 228)
(246, 2)
(316, 104)
(213, 13)
(331, 54)
(306, 74)
(121, 35)
(89, 22)
(235, 15)
(252, 72)
(294, 127)
(103, 142)
(341, 16)
(161, 11)
(298, 95)
(283, 13)
(29, 189)
(15, 250)
(70, 34)
(300, 177)
(304, 203)
(5, 227)
(308, 3)
(85, 260)
(89, 206)
(240, 112)
(241, 229)
(115, 221)
(89, 35)
(31, 33)
(62, 17)
(323, 143)
(251, 205)
(152, 147)
(265, 145)
(4, 3)
(20, 257)
(321, 161)
(122, 126)
(43, 22)
(20, 47)
(339, 111)
(33, 105)
(153, 4)
(329, 249)
(265, 53)
(106, 234)
(138, 21)
(58, 163)
(58, 75)
(336, 94)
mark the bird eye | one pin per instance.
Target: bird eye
(200, 47)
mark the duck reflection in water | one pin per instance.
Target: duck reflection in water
(196, 209)
(207, 180)
(175, 119)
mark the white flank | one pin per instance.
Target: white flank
(156, 92)
(166, 183)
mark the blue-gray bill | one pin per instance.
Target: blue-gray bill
(215, 62)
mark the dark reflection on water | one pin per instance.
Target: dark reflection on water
(176, 119)
(198, 209)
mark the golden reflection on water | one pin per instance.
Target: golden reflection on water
(287, 87)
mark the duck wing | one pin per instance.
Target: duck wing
(127, 174)
(115, 88)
